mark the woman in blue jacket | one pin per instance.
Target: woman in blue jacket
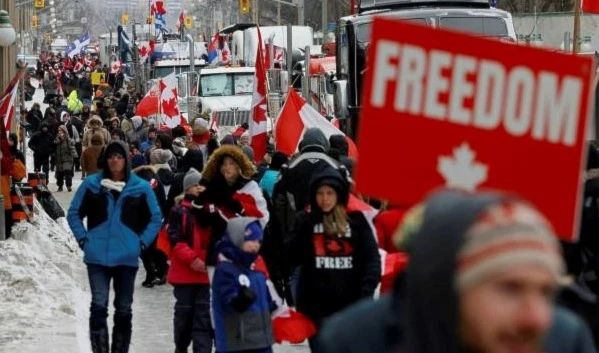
(113, 240)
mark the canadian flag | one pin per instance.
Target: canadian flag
(169, 100)
(115, 66)
(590, 6)
(144, 51)
(295, 117)
(258, 116)
(157, 7)
(149, 104)
(225, 54)
(213, 124)
(78, 66)
(180, 21)
(8, 99)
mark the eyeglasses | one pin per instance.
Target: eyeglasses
(116, 156)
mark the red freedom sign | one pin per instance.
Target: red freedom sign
(445, 109)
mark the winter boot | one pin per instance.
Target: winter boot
(99, 341)
(177, 350)
(121, 335)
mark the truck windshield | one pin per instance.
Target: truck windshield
(227, 84)
(363, 35)
(163, 71)
(484, 26)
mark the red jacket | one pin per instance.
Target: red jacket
(188, 242)
(386, 224)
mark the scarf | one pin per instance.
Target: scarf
(113, 185)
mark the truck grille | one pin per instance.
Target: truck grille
(229, 118)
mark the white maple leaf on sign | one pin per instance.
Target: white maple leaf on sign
(461, 170)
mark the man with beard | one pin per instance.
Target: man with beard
(482, 277)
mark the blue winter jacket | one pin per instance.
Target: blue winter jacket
(269, 180)
(250, 329)
(117, 230)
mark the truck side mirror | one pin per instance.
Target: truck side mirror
(340, 99)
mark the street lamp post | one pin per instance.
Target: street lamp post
(7, 37)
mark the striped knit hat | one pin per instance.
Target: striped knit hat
(508, 234)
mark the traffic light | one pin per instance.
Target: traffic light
(188, 22)
(34, 22)
(124, 19)
(149, 20)
(244, 6)
(38, 4)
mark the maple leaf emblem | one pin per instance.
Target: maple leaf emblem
(143, 52)
(461, 171)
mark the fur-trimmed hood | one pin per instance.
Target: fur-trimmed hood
(94, 119)
(154, 168)
(212, 167)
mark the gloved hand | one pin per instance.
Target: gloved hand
(198, 265)
(245, 297)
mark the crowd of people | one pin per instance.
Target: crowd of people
(237, 239)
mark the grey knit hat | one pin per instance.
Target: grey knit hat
(192, 178)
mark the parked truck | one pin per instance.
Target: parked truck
(353, 37)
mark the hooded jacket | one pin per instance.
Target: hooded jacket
(42, 143)
(94, 125)
(240, 324)
(64, 151)
(337, 271)
(290, 193)
(74, 104)
(89, 157)
(114, 235)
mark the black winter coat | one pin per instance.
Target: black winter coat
(336, 272)
(42, 144)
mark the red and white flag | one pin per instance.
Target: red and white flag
(149, 104)
(590, 6)
(115, 66)
(213, 124)
(225, 53)
(258, 116)
(295, 117)
(78, 66)
(180, 21)
(169, 101)
(157, 7)
(144, 51)
(8, 99)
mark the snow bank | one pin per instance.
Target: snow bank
(42, 282)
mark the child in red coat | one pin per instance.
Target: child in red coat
(188, 273)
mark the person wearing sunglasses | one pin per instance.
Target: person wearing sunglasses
(123, 218)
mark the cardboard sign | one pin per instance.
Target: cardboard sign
(446, 109)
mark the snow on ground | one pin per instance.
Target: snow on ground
(42, 286)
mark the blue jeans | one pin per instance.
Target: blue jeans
(123, 278)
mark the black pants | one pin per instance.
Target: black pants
(7, 222)
(41, 163)
(77, 160)
(155, 262)
(192, 318)
(65, 176)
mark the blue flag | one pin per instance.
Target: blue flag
(159, 22)
(78, 45)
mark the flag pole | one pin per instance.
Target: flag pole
(576, 45)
